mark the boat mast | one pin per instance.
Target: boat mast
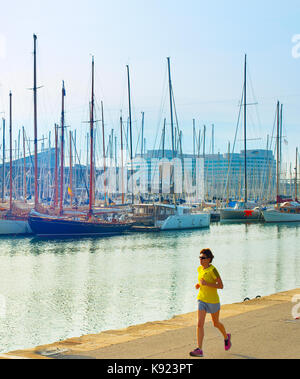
(3, 165)
(130, 132)
(71, 173)
(10, 151)
(280, 137)
(24, 174)
(171, 106)
(104, 160)
(228, 172)
(63, 94)
(164, 138)
(92, 142)
(36, 196)
(245, 128)
(56, 167)
(142, 139)
(18, 174)
(278, 155)
(122, 163)
(213, 139)
(213, 152)
(296, 176)
(172, 129)
(194, 138)
(204, 136)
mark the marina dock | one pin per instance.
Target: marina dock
(261, 328)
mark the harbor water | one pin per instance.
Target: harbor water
(51, 290)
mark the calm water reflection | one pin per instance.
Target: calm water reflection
(59, 289)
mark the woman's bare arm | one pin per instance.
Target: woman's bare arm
(218, 284)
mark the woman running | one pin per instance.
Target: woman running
(209, 281)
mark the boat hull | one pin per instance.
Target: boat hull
(276, 216)
(14, 227)
(188, 221)
(240, 215)
(55, 227)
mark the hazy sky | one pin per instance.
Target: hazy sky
(205, 40)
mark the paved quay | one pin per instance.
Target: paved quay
(261, 329)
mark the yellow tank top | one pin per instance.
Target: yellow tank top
(208, 294)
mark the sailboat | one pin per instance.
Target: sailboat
(170, 216)
(78, 224)
(243, 210)
(12, 221)
(288, 211)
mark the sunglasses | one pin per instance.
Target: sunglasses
(203, 257)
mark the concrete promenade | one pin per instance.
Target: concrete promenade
(261, 328)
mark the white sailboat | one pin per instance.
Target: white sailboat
(12, 223)
(243, 211)
(288, 211)
(168, 216)
(12, 226)
(177, 217)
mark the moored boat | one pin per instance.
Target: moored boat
(91, 223)
(143, 214)
(64, 226)
(285, 212)
(240, 213)
(243, 211)
(13, 221)
(11, 225)
(181, 217)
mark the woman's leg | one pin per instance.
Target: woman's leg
(217, 324)
(200, 328)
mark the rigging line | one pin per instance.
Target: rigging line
(269, 161)
(233, 147)
(176, 118)
(122, 97)
(82, 176)
(162, 106)
(28, 147)
(138, 140)
(268, 165)
(126, 134)
(254, 98)
(160, 118)
(250, 122)
(156, 166)
(98, 84)
(198, 142)
(107, 111)
(273, 131)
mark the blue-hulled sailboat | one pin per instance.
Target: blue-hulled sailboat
(78, 224)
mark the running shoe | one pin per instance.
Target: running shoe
(228, 342)
(196, 353)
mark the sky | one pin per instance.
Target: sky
(206, 43)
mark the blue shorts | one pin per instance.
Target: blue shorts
(208, 307)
